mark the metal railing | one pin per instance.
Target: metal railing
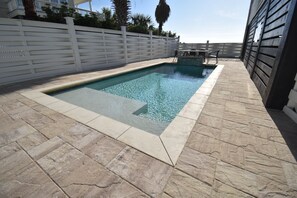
(18, 5)
(84, 12)
(227, 50)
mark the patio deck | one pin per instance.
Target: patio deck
(234, 150)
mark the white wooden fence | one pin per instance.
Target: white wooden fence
(227, 50)
(31, 49)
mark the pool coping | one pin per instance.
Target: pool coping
(167, 147)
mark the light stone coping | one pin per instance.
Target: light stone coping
(167, 147)
(198, 98)
(82, 115)
(33, 94)
(109, 126)
(176, 135)
(91, 79)
(61, 106)
(45, 100)
(191, 110)
(146, 142)
(204, 90)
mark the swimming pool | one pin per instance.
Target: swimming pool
(99, 89)
(148, 99)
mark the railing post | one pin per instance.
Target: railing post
(124, 32)
(207, 44)
(151, 44)
(25, 44)
(73, 39)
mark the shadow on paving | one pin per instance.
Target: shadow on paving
(11, 87)
(287, 127)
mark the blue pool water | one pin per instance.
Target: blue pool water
(148, 99)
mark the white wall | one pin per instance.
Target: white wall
(31, 49)
(291, 108)
(227, 50)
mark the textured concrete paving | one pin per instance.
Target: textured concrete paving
(234, 150)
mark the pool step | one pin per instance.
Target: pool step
(117, 107)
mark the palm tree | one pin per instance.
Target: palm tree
(29, 9)
(140, 23)
(162, 14)
(108, 19)
(122, 11)
(142, 20)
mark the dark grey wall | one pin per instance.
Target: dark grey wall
(255, 5)
(267, 46)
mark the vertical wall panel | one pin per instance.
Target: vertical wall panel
(260, 57)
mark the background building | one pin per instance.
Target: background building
(15, 8)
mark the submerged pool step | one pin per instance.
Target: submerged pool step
(101, 101)
(117, 107)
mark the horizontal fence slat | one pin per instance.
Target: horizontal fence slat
(279, 22)
(271, 42)
(266, 59)
(268, 51)
(34, 49)
(227, 50)
(274, 33)
(262, 75)
(279, 13)
(267, 69)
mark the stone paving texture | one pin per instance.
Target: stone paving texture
(235, 149)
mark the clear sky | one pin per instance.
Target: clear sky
(195, 20)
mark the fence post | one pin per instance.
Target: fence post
(73, 39)
(151, 44)
(25, 44)
(104, 44)
(124, 32)
(167, 36)
(207, 44)
(178, 43)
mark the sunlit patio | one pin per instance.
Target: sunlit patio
(234, 150)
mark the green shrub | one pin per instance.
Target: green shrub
(106, 19)
(55, 14)
(87, 20)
